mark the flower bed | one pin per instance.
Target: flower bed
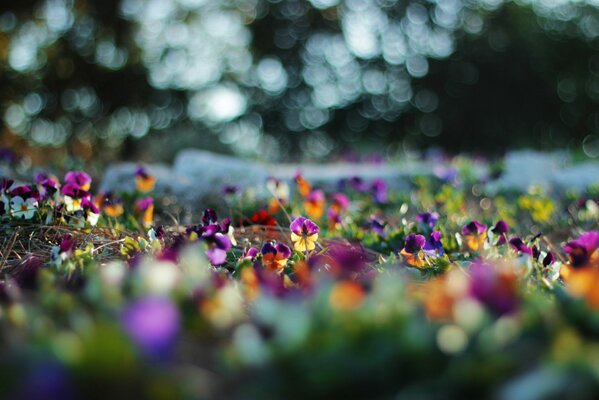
(438, 292)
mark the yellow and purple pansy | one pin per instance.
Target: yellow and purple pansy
(474, 234)
(304, 234)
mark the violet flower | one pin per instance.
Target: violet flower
(25, 192)
(304, 234)
(217, 254)
(79, 178)
(583, 250)
(413, 252)
(153, 323)
(519, 245)
(433, 246)
(209, 217)
(474, 234)
(497, 289)
(501, 229)
(428, 219)
(378, 188)
(378, 226)
(549, 259)
(274, 257)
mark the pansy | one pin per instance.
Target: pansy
(145, 208)
(274, 257)
(110, 205)
(263, 217)
(91, 211)
(378, 226)
(304, 234)
(413, 252)
(334, 218)
(48, 188)
(303, 186)
(231, 190)
(249, 253)
(501, 229)
(76, 219)
(519, 245)
(549, 259)
(428, 219)
(218, 241)
(378, 188)
(339, 202)
(144, 182)
(79, 178)
(345, 260)
(433, 246)
(209, 217)
(153, 323)
(358, 184)
(227, 229)
(496, 286)
(156, 233)
(73, 194)
(314, 204)
(25, 192)
(583, 251)
(347, 296)
(64, 249)
(23, 208)
(474, 234)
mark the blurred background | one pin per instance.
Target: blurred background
(297, 79)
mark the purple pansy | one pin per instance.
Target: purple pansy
(414, 243)
(79, 178)
(143, 203)
(230, 190)
(340, 200)
(501, 229)
(357, 184)
(581, 250)
(249, 253)
(378, 226)
(519, 245)
(280, 249)
(48, 187)
(494, 288)
(378, 188)
(209, 217)
(217, 254)
(74, 191)
(141, 172)
(549, 259)
(433, 245)
(153, 323)
(302, 226)
(428, 219)
(474, 228)
(25, 192)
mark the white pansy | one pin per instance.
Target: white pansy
(23, 209)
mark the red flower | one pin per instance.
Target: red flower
(262, 217)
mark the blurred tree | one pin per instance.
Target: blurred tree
(280, 78)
